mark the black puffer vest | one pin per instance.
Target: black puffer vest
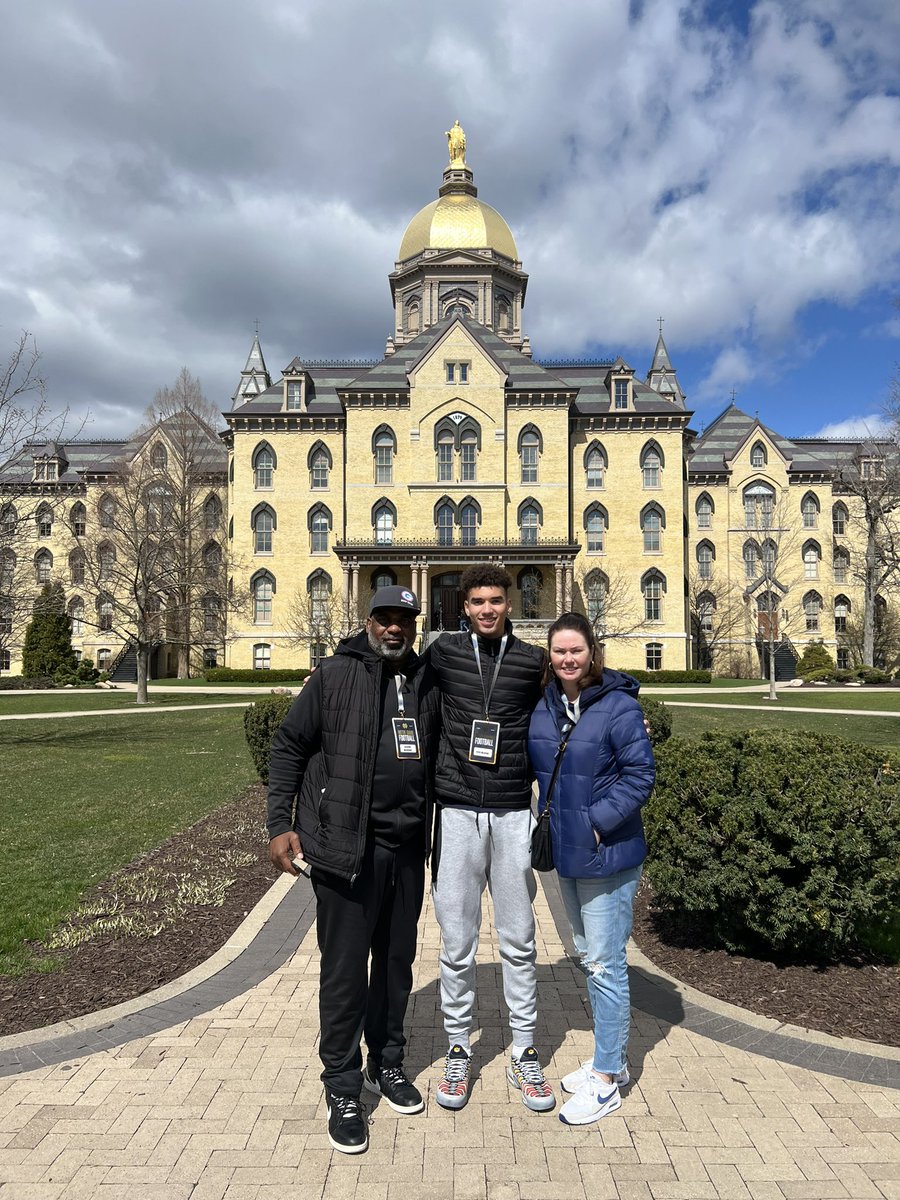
(518, 689)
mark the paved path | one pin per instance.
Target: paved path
(138, 710)
(225, 1104)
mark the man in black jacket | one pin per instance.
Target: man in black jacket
(490, 682)
(350, 795)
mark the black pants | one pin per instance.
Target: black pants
(377, 915)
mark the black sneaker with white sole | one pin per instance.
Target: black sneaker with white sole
(346, 1124)
(391, 1082)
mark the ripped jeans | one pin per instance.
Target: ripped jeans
(600, 912)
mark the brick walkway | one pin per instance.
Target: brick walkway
(227, 1106)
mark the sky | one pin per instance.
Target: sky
(174, 172)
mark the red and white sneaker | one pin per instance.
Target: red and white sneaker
(525, 1074)
(453, 1089)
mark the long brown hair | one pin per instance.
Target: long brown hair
(577, 624)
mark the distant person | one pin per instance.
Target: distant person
(350, 792)
(590, 723)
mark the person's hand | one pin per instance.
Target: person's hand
(647, 726)
(283, 849)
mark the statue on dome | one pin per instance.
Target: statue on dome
(456, 141)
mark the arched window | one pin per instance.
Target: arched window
(469, 516)
(504, 317)
(319, 462)
(383, 577)
(706, 554)
(596, 523)
(212, 612)
(76, 566)
(262, 656)
(653, 522)
(595, 466)
(468, 454)
(106, 560)
(751, 559)
(384, 447)
(812, 606)
(759, 504)
(7, 568)
(841, 565)
(264, 463)
(445, 450)
(841, 613)
(76, 616)
(809, 507)
(262, 589)
(758, 455)
(652, 463)
(43, 566)
(319, 523)
(44, 519)
(8, 520)
(811, 554)
(7, 608)
(212, 512)
(160, 503)
(653, 585)
(706, 611)
(212, 560)
(413, 318)
(106, 510)
(159, 457)
(263, 523)
(839, 518)
(384, 518)
(530, 518)
(704, 509)
(530, 446)
(318, 585)
(444, 521)
(769, 557)
(78, 519)
(596, 590)
(104, 614)
(653, 656)
(531, 584)
(460, 435)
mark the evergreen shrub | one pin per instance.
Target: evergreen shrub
(844, 676)
(814, 658)
(236, 675)
(671, 676)
(873, 675)
(47, 647)
(659, 719)
(823, 675)
(19, 683)
(775, 842)
(261, 722)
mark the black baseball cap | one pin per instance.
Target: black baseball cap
(395, 597)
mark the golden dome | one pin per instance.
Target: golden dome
(457, 221)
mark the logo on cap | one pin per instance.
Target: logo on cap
(408, 597)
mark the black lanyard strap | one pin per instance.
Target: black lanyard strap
(487, 693)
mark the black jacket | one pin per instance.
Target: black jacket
(324, 755)
(518, 689)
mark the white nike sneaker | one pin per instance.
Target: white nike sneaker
(578, 1078)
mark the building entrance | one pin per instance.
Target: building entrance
(446, 602)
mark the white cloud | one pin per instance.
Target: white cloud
(870, 425)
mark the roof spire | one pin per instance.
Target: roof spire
(661, 376)
(255, 376)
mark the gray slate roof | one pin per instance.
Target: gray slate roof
(722, 439)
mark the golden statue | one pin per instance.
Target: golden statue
(456, 141)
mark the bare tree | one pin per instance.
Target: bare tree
(17, 590)
(717, 612)
(316, 618)
(610, 602)
(776, 572)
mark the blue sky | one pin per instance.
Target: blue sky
(174, 172)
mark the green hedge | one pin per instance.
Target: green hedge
(671, 676)
(16, 683)
(658, 718)
(775, 841)
(261, 722)
(233, 675)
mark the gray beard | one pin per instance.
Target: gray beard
(386, 652)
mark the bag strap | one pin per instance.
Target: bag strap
(564, 741)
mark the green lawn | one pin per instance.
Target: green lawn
(874, 700)
(715, 683)
(201, 683)
(72, 701)
(693, 722)
(89, 796)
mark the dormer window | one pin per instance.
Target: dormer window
(872, 468)
(620, 393)
(294, 395)
(457, 372)
(46, 470)
(758, 456)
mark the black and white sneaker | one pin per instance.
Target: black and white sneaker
(391, 1082)
(346, 1124)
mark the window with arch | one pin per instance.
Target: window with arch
(76, 566)
(210, 657)
(212, 560)
(445, 451)
(706, 611)
(769, 557)
(43, 566)
(529, 522)
(758, 455)
(160, 502)
(383, 577)
(384, 519)
(530, 446)
(812, 607)
(212, 613)
(263, 467)
(7, 609)
(596, 590)
(45, 521)
(531, 584)
(841, 613)
(811, 554)
(262, 656)
(78, 519)
(318, 652)
(596, 522)
(104, 613)
(212, 512)
(751, 560)
(318, 586)
(759, 505)
(704, 509)
(319, 520)
(444, 522)
(457, 436)
(809, 508)
(7, 568)
(706, 555)
(8, 520)
(262, 589)
(384, 447)
(653, 522)
(652, 465)
(595, 466)
(841, 565)
(413, 318)
(106, 510)
(106, 560)
(839, 518)
(104, 657)
(263, 524)
(319, 463)
(159, 457)
(469, 517)
(468, 454)
(504, 317)
(653, 656)
(653, 585)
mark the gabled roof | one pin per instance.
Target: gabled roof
(723, 438)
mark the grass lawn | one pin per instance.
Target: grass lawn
(693, 722)
(89, 797)
(71, 701)
(873, 700)
(715, 683)
(201, 683)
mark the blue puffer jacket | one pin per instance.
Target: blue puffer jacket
(606, 776)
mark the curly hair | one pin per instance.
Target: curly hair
(484, 575)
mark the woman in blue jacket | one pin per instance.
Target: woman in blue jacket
(591, 717)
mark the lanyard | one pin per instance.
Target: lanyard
(490, 691)
(399, 680)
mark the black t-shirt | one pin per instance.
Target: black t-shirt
(397, 812)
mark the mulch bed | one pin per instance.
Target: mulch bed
(859, 999)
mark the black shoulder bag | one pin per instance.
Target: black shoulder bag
(541, 844)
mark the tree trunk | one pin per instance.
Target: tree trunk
(773, 695)
(870, 587)
(143, 672)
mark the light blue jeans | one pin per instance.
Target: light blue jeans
(600, 912)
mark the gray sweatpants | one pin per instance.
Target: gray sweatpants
(478, 848)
